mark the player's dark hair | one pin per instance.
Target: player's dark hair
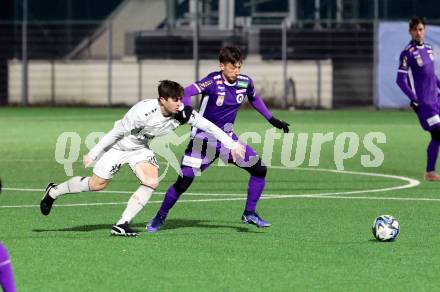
(415, 21)
(168, 88)
(231, 55)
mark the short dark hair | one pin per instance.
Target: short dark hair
(231, 55)
(168, 88)
(415, 21)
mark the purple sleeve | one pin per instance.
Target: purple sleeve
(256, 101)
(201, 86)
(188, 93)
(258, 104)
(402, 81)
(402, 76)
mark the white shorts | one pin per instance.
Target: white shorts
(112, 160)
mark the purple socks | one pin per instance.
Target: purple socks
(170, 199)
(255, 189)
(432, 155)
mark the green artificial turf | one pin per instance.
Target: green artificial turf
(320, 237)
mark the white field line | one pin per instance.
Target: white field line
(410, 183)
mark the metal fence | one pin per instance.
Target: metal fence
(303, 64)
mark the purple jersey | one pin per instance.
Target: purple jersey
(221, 100)
(416, 75)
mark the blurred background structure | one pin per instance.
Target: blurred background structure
(301, 53)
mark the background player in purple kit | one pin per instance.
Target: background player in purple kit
(416, 77)
(6, 275)
(223, 92)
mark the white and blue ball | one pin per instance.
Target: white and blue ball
(385, 228)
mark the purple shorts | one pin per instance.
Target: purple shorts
(429, 116)
(203, 150)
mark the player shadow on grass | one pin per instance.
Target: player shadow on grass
(169, 224)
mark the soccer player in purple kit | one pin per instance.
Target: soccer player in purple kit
(416, 77)
(223, 92)
(6, 275)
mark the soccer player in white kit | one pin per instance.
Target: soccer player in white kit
(127, 143)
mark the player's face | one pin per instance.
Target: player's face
(230, 71)
(170, 105)
(418, 33)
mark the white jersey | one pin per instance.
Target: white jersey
(144, 121)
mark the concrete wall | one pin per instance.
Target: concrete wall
(87, 81)
(130, 16)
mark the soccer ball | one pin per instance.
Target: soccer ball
(385, 228)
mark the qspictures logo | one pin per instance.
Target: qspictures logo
(291, 149)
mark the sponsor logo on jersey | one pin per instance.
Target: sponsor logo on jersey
(240, 90)
(220, 100)
(217, 77)
(419, 60)
(240, 98)
(242, 84)
(242, 77)
(150, 112)
(221, 88)
(219, 82)
(221, 93)
(205, 84)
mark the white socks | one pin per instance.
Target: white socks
(136, 203)
(76, 184)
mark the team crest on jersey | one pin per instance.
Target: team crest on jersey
(242, 84)
(220, 100)
(240, 98)
(419, 60)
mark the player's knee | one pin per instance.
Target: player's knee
(182, 184)
(258, 170)
(97, 183)
(150, 182)
(435, 134)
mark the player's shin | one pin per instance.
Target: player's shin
(136, 203)
(76, 184)
(174, 191)
(170, 199)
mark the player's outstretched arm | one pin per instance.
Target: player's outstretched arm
(259, 105)
(237, 149)
(279, 124)
(189, 92)
(113, 136)
(121, 129)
